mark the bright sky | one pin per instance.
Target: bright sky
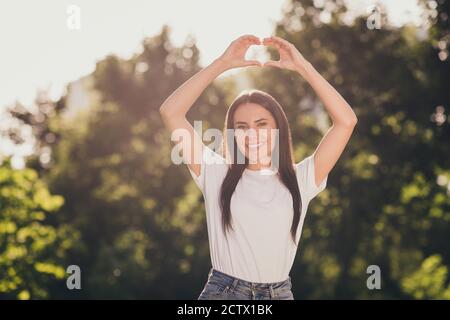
(39, 50)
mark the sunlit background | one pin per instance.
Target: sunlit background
(62, 55)
(86, 176)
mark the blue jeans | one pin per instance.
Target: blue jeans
(221, 286)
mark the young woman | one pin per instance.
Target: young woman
(255, 209)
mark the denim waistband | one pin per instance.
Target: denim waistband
(232, 280)
(256, 290)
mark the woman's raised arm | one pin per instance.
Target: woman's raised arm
(173, 110)
(342, 115)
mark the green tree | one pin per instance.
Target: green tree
(428, 281)
(32, 248)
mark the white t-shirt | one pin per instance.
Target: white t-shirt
(260, 247)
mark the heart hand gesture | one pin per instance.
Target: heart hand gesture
(290, 57)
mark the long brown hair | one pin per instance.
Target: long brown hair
(283, 146)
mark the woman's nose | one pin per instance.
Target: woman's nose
(252, 135)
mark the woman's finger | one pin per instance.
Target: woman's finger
(251, 38)
(281, 48)
(253, 41)
(283, 41)
(252, 63)
(268, 41)
(276, 43)
(272, 63)
(247, 42)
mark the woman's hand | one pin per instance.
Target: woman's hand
(234, 55)
(290, 57)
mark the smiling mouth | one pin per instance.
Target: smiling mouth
(254, 146)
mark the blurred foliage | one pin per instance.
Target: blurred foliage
(429, 281)
(141, 221)
(32, 249)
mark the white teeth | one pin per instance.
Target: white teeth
(255, 145)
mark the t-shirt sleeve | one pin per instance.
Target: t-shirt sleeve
(211, 163)
(306, 178)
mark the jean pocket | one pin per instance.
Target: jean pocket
(285, 295)
(216, 288)
(214, 292)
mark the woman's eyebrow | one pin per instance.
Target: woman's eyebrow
(243, 122)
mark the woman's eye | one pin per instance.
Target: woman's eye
(262, 124)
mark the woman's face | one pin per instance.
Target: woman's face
(255, 131)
